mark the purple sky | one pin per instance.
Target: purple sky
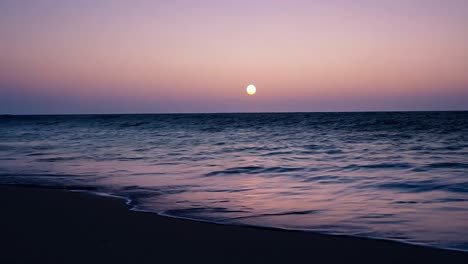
(198, 56)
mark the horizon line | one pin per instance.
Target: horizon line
(261, 112)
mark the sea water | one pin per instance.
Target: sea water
(400, 175)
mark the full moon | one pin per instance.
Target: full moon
(251, 90)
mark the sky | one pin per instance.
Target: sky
(113, 56)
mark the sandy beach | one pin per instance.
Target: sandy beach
(58, 226)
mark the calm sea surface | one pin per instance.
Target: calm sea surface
(401, 176)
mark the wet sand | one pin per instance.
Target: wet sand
(58, 226)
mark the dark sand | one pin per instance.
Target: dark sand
(57, 226)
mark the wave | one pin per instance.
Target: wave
(400, 165)
(136, 124)
(425, 186)
(252, 170)
(447, 165)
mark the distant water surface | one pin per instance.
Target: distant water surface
(401, 176)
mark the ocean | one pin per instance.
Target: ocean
(397, 175)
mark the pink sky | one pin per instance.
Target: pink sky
(198, 56)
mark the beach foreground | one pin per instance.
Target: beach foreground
(58, 226)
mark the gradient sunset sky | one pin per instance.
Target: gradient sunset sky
(115, 56)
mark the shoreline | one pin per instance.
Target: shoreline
(61, 226)
(133, 207)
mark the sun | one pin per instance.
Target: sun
(251, 90)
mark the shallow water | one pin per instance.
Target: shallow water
(400, 176)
